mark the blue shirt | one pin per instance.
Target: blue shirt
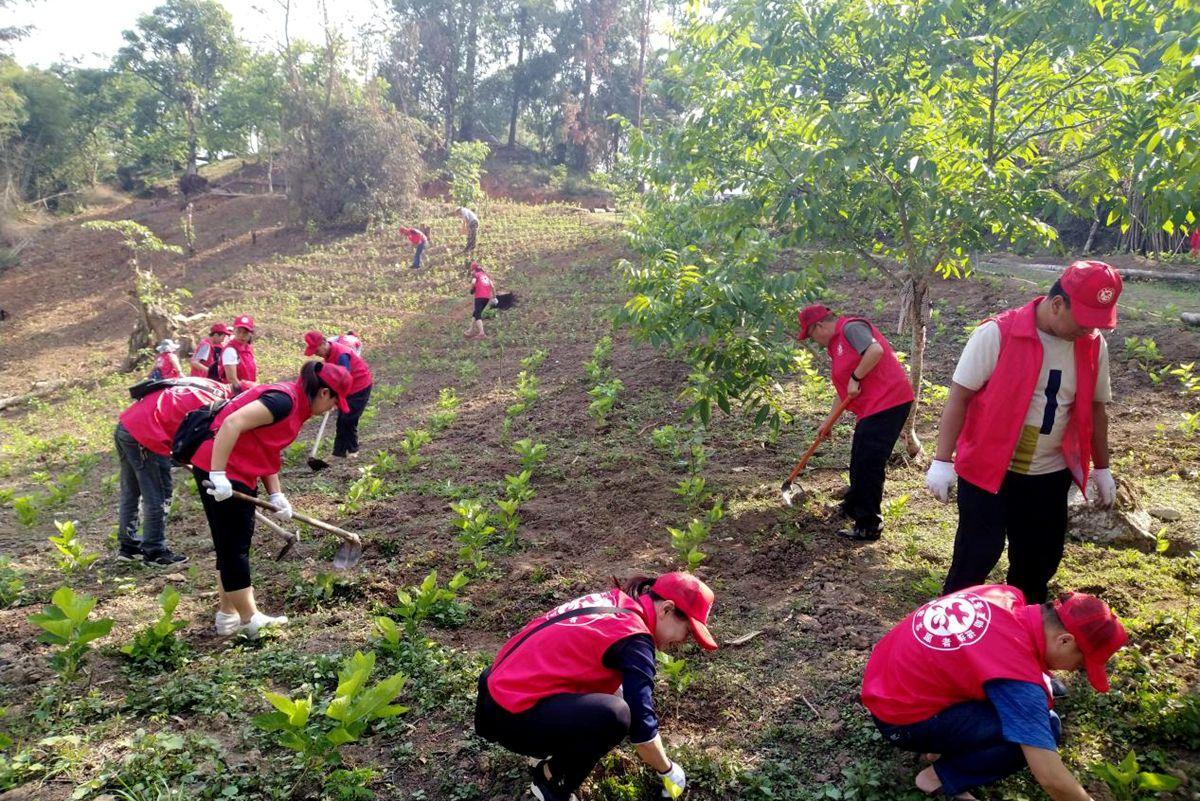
(634, 657)
(1024, 717)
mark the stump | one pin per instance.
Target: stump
(1125, 525)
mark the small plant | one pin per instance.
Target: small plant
(384, 463)
(531, 454)
(595, 366)
(1127, 783)
(60, 492)
(474, 532)
(312, 594)
(894, 509)
(414, 440)
(156, 648)
(667, 438)
(687, 541)
(447, 412)
(676, 672)
(691, 489)
(534, 360)
(1142, 351)
(516, 488)
(11, 583)
(510, 521)
(426, 601)
(28, 510)
(65, 623)
(527, 393)
(604, 397)
(71, 554)
(364, 489)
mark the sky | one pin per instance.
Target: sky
(90, 30)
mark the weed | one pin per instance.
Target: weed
(668, 439)
(156, 648)
(388, 393)
(313, 594)
(384, 463)
(534, 360)
(531, 454)
(11, 583)
(65, 623)
(676, 672)
(468, 371)
(604, 397)
(28, 510)
(71, 554)
(1127, 783)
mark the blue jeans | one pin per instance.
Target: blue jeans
(145, 480)
(971, 743)
(417, 256)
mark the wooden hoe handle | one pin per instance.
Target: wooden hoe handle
(312, 521)
(833, 418)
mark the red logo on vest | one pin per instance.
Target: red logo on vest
(953, 622)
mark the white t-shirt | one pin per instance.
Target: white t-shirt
(1039, 448)
(468, 216)
(202, 351)
(229, 356)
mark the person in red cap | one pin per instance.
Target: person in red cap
(417, 237)
(965, 679)
(207, 355)
(1027, 414)
(865, 369)
(248, 437)
(484, 291)
(238, 368)
(336, 351)
(551, 692)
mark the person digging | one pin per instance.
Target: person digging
(338, 351)
(418, 240)
(1027, 415)
(864, 369)
(484, 292)
(965, 680)
(469, 229)
(579, 679)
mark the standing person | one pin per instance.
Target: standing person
(484, 291)
(865, 369)
(551, 692)
(249, 435)
(166, 363)
(143, 438)
(417, 237)
(965, 680)
(1027, 414)
(207, 356)
(470, 228)
(337, 351)
(238, 368)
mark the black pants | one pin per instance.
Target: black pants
(573, 731)
(1031, 512)
(346, 439)
(874, 439)
(231, 523)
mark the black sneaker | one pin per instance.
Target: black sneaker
(544, 789)
(165, 559)
(133, 554)
(860, 534)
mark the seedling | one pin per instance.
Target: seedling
(156, 648)
(516, 488)
(1127, 783)
(676, 672)
(531, 454)
(65, 623)
(447, 411)
(11, 583)
(474, 532)
(414, 440)
(510, 521)
(595, 367)
(385, 462)
(365, 488)
(71, 554)
(687, 542)
(691, 489)
(534, 360)
(426, 601)
(27, 510)
(604, 397)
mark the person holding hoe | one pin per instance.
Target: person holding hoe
(143, 438)
(418, 239)
(867, 374)
(208, 352)
(484, 291)
(166, 363)
(1027, 415)
(244, 446)
(964, 680)
(238, 368)
(470, 228)
(552, 691)
(337, 351)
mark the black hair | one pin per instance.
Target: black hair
(1056, 291)
(638, 585)
(1050, 616)
(310, 379)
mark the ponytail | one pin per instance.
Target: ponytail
(310, 379)
(634, 586)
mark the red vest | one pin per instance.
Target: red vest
(885, 387)
(943, 653)
(154, 419)
(415, 236)
(360, 373)
(483, 285)
(247, 370)
(257, 453)
(566, 657)
(166, 367)
(997, 412)
(214, 352)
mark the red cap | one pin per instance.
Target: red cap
(1097, 632)
(1093, 288)
(245, 321)
(809, 315)
(475, 266)
(220, 328)
(337, 378)
(692, 597)
(312, 341)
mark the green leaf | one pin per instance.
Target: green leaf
(1157, 782)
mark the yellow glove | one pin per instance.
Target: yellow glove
(674, 782)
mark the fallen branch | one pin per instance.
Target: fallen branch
(40, 388)
(1149, 275)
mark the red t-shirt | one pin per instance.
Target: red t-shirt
(415, 236)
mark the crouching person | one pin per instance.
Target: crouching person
(965, 680)
(551, 693)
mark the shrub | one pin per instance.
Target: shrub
(465, 166)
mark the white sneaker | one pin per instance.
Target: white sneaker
(258, 622)
(228, 623)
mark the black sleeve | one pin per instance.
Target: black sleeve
(634, 657)
(859, 335)
(278, 403)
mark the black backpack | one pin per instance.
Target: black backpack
(193, 431)
(154, 384)
(214, 369)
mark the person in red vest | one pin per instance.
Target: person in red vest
(351, 339)
(1027, 414)
(551, 693)
(336, 351)
(417, 237)
(238, 368)
(208, 352)
(484, 291)
(166, 363)
(865, 369)
(249, 434)
(965, 679)
(143, 438)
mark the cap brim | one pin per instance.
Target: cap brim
(311, 350)
(803, 334)
(1093, 317)
(703, 635)
(1097, 673)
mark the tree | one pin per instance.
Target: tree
(184, 49)
(903, 135)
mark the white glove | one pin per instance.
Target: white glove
(941, 479)
(283, 509)
(221, 489)
(674, 781)
(1106, 488)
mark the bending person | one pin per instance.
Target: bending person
(249, 435)
(339, 351)
(206, 358)
(550, 694)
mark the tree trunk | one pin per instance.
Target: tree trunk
(1087, 246)
(518, 76)
(917, 316)
(193, 140)
(641, 70)
(472, 45)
